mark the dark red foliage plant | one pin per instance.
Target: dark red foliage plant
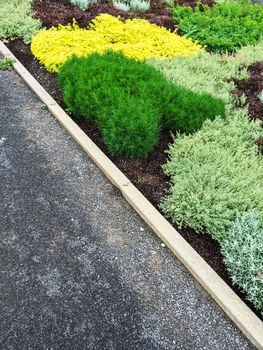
(252, 88)
(52, 13)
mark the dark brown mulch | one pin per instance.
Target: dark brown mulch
(251, 88)
(146, 174)
(52, 13)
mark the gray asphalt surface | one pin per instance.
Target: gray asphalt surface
(79, 268)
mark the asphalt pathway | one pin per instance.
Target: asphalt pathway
(79, 268)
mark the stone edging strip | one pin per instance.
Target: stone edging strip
(234, 307)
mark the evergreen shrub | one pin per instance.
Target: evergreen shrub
(131, 98)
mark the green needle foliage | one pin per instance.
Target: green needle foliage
(243, 255)
(225, 27)
(131, 101)
(16, 20)
(131, 129)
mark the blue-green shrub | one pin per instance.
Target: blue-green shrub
(242, 251)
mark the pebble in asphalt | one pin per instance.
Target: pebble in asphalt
(79, 268)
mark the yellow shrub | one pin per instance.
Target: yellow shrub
(136, 38)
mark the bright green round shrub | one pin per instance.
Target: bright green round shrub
(130, 129)
(185, 111)
(242, 251)
(224, 27)
(91, 82)
(132, 99)
(115, 92)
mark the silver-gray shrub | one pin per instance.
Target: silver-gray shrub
(210, 73)
(122, 5)
(242, 251)
(218, 171)
(16, 20)
(215, 174)
(140, 5)
(132, 5)
(83, 4)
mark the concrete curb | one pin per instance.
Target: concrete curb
(234, 307)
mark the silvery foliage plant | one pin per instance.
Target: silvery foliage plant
(132, 5)
(243, 255)
(83, 4)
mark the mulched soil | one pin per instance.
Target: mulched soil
(251, 88)
(146, 174)
(52, 13)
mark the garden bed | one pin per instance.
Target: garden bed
(53, 13)
(146, 174)
(161, 68)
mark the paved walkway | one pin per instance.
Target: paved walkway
(79, 268)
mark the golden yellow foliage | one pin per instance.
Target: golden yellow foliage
(135, 38)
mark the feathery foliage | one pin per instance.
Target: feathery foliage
(242, 251)
(83, 4)
(210, 73)
(16, 20)
(131, 98)
(215, 174)
(132, 5)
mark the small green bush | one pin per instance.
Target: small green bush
(89, 83)
(215, 173)
(185, 111)
(129, 97)
(6, 63)
(16, 20)
(130, 129)
(115, 92)
(224, 27)
(242, 251)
